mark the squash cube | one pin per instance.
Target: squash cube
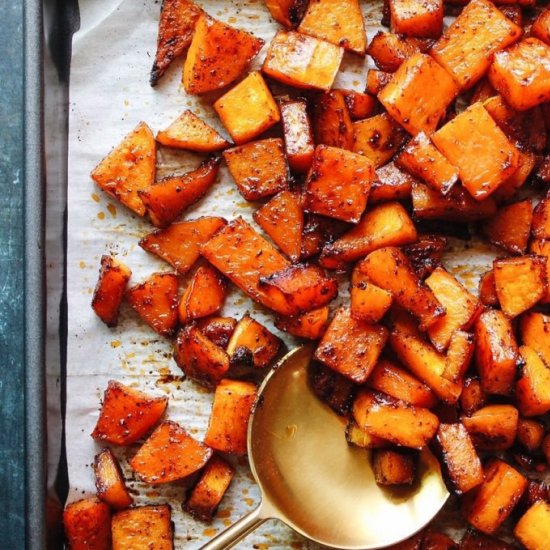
(332, 120)
(88, 524)
(143, 528)
(389, 50)
(218, 329)
(359, 105)
(332, 388)
(310, 325)
(288, 13)
(510, 227)
(493, 427)
(390, 183)
(393, 467)
(297, 133)
(533, 528)
(417, 18)
(368, 302)
(533, 385)
(109, 481)
(541, 27)
(535, 331)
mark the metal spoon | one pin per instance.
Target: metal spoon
(312, 480)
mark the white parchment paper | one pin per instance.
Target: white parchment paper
(109, 95)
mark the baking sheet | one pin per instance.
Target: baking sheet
(109, 94)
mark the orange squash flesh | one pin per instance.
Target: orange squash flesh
(109, 481)
(88, 524)
(332, 120)
(298, 134)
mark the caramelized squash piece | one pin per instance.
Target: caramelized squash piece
(127, 414)
(288, 13)
(496, 352)
(521, 74)
(318, 232)
(169, 454)
(338, 184)
(535, 331)
(541, 27)
(421, 159)
(541, 248)
(359, 105)
(426, 254)
(488, 506)
(389, 50)
(110, 288)
(252, 345)
(510, 227)
(458, 457)
(361, 438)
(511, 186)
(199, 358)
(258, 168)
(390, 183)
(298, 134)
(218, 329)
(473, 143)
(261, 111)
(459, 355)
(88, 524)
(231, 410)
(378, 138)
(418, 94)
(310, 325)
(282, 218)
(520, 283)
(176, 27)
(461, 307)
(332, 388)
(302, 61)
(332, 120)
(533, 385)
(351, 347)
(467, 47)
(179, 244)
(530, 433)
(129, 168)
(493, 427)
(393, 420)
(416, 18)
(387, 224)
(217, 56)
(541, 220)
(337, 21)
(143, 528)
(204, 295)
(393, 467)
(533, 528)
(368, 302)
(376, 80)
(207, 494)
(156, 301)
(188, 131)
(169, 198)
(109, 481)
(487, 289)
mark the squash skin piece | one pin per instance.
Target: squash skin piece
(533, 528)
(282, 218)
(535, 331)
(393, 467)
(419, 93)
(176, 27)
(541, 27)
(493, 427)
(466, 48)
(110, 288)
(88, 524)
(207, 494)
(422, 160)
(332, 121)
(169, 454)
(179, 244)
(414, 18)
(390, 183)
(188, 131)
(231, 410)
(199, 358)
(156, 301)
(168, 199)
(298, 134)
(394, 420)
(204, 295)
(496, 352)
(109, 481)
(310, 325)
(261, 112)
(533, 385)
(288, 13)
(129, 168)
(351, 347)
(258, 168)
(378, 138)
(359, 105)
(521, 74)
(520, 283)
(127, 414)
(338, 184)
(302, 61)
(332, 388)
(387, 224)
(458, 457)
(143, 528)
(217, 56)
(218, 329)
(510, 227)
(460, 141)
(389, 50)
(390, 269)
(488, 506)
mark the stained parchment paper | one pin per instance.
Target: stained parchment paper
(109, 94)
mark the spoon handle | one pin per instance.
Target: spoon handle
(232, 535)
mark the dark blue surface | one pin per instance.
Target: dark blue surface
(11, 277)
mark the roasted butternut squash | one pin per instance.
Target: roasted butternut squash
(389, 50)
(318, 232)
(459, 356)
(218, 329)
(426, 254)
(541, 248)
(109, 481)
(376, 80)
(487, 290)
(530, 434)
(515, 182)
(393, 467)
(143, 528)
(332, 120)
(533, 528)
(541, 220)
(493, 427)
(541, 27)
(88, 524)
(533, 385)
(535, 330)
(368, 301)
(510, 227)
(332, 388)
(287, 12)
(415, 18)
(359, 105)
(390, 183)
(361, 438)
(310, 325)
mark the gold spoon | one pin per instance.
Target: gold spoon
(312, 480)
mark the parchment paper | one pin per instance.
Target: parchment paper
(109, 95)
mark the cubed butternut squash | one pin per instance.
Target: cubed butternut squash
(361, 438)
(510, 227)
(231, 410)
(310, 325)
(359, 105)
(88, 524)
(169, 454)
(127, 414)
(332, 388)
(376, 80)
(261, 109)
(217, 56)
(418, 94)
(459, 355)
(368, 301)
(390, 183)
(110, 288)
(535, 333)
(493, 427)
(541, 220)
(394, 467)
(218, 329)
(109, 481)
(415, 18)
(533, 528)
(530, 433)
(350, 346)
(541, 247)
(318, 232)
(487, 289)
(426, 254)
(143, 528)
(541, 27)
(302, 61)
(389, 50)
(508, 189)
(332, 120)
(287, 12)
(533, 385)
